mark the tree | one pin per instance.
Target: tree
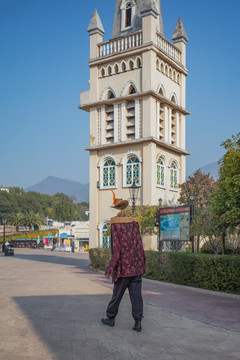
(16, 190)
(66, 211)
(7, 204)
(19, 201)
(201, 185)
(33, 220)
(225, 202)
(226, 199)
(16, 219)
(146, 218)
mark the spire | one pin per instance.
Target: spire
(95, 25)
(128, 16)
(180, 33)
(150, 5)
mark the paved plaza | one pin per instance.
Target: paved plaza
(51, 305)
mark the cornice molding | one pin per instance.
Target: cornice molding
(128, 143)
(137, 96)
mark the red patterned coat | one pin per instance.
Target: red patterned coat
(128, 258)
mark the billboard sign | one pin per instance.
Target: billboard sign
(175, 223)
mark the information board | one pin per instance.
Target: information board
(175, 224)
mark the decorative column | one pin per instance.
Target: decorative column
(158, 120)
(137, 119)
(166, 124)
(102, 126)
(123, 122)
(115, 123)
(170, 126)
(177, 130)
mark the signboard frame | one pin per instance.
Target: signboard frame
(178, 221)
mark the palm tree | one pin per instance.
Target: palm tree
(16, 219)
(33, 219)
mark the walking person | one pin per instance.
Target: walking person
(126, 267)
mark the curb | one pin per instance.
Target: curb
(177, 286)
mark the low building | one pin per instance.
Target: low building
(4, 188)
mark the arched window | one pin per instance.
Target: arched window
(161, 172)
(128, 11)
(128, 15)
(166, 70)
(131, 163)
(129, 88)
(174, 76)
(109, 174)
(131, 65)
(102, 72)
(116, 68)
(110, 95)
(109, 70)
(161, 92)
(139, 63)
(132, 90)
(133, 171)
(174, 175)
(104, 237)
(173, 98)
(124, 67)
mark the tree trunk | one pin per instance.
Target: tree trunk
(223, 243)
(198, 241)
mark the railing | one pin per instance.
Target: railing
(134, 40)
(115, 46)
(168, 48)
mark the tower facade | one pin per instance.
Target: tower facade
(136, 104)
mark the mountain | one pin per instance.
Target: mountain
(53, 185)
(212, 168)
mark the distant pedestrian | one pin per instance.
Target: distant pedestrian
(126, 267)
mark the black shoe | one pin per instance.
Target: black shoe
(108, 322)
(137, 326)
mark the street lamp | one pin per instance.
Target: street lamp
(4, 221)
(160, 202)
(192, 198)
(134, 190)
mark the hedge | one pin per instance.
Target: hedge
(212, 272)
(28, 234)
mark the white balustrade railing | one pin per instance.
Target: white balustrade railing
(134, 40)
(168, 48)
(115, 46)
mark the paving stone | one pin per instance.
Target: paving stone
(54, 313)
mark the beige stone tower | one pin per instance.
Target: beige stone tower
(137, 112)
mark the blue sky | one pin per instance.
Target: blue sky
(44, 67)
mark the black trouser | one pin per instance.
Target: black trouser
(134, 285)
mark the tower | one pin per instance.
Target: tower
(136, 102)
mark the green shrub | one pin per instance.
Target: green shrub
(215, 247)
(99, 258)
(212, 272)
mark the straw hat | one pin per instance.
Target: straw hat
(119, 204)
